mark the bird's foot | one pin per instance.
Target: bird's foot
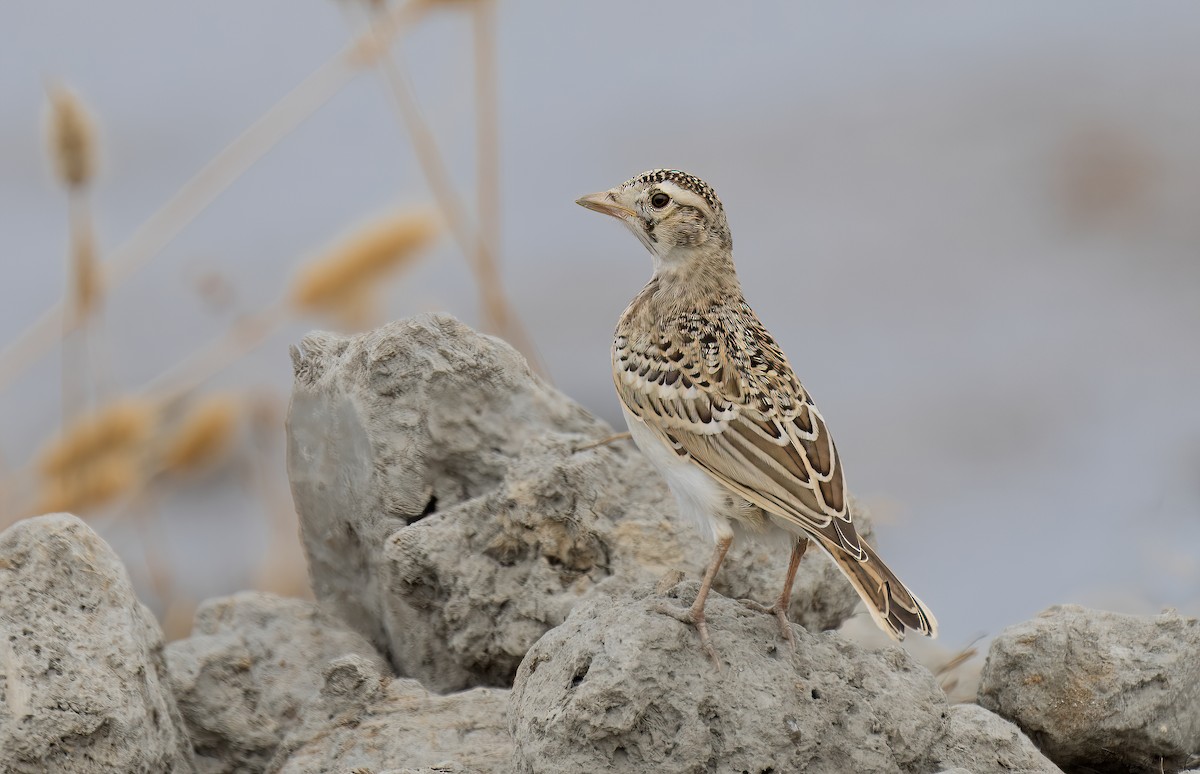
(689, 615)
(780, 612)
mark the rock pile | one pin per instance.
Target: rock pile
(485, 588)
(450, 516)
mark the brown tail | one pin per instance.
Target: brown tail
(890, 603)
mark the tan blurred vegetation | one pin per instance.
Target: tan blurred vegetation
(119, 455)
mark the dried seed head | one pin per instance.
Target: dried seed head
(362, 259)
(204, 435)
(95, 483)
(72, 137)
(121, 426)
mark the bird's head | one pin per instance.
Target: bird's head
(677, 216)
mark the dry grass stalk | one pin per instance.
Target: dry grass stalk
(960, 658)
(93, 483)
(86, 280)
(243, 337)
(498, 316)
(72, 137)
(487, 110)
(361, 260)
(144, 511)
(204, 435)
(212, 179)
(177, 618)
(83, 293)
(948, 673)
(284, 569)
(117, 428)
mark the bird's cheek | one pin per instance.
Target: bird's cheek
(689, 235)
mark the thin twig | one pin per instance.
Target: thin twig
(82, 294)
(487, 124)
(241, 338)
(625, 436)
(498, 316)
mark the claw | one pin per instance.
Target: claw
(779, 609)
(689, 616)
(780, 613)
(694, 615)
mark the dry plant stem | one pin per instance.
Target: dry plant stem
(965, 654)
(243, 336)
(483, 18)
(212, 179)
(498, 316)
(83, 294)
(146, 514)
(8, 498)
(283, 569)
(625, 436)
(19, 490)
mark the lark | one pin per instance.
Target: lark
(714, 404)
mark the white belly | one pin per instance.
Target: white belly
(701, 499)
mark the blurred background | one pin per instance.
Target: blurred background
(975, 228)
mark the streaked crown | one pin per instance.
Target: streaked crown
(681, 179)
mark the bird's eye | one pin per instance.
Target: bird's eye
(659, 200)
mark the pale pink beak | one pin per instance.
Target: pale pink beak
(606, 203)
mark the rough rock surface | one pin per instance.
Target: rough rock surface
(449, 767)
(448, 514)
(982, 742)
(82, 683)
(1101, 691)
(252, 662)
(365, 721)
(620, 687)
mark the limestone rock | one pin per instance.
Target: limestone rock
(82, 682)
(982, 742)
(449, 514)
(1101, 690)
(248, 668)
(365, 721)
(449, 767)
(620, 687)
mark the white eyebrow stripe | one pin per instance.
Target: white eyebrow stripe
(684, 181)
(682, 195)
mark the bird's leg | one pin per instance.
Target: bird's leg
(605, 441)
(694, 615)
(780, 608)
